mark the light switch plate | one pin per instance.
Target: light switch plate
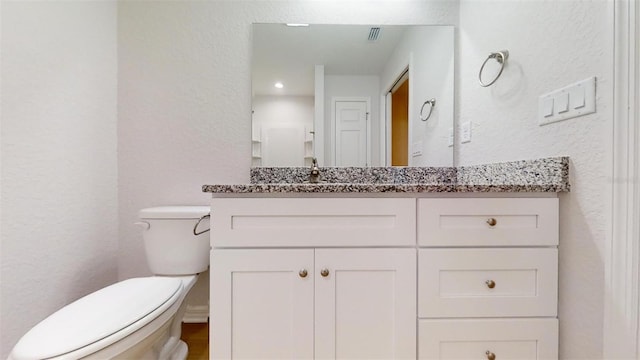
(562, 102)
(416, 149)
(568, 102)
(465, 132)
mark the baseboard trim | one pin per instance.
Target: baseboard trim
(196, 314)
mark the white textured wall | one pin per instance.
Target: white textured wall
(59, 173)
(552, 44)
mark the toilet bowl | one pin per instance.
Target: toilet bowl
(138, 318)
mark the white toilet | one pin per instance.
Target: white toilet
(138, 318)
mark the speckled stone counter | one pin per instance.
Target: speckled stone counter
(540, 175)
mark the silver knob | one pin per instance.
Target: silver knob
(324, 272)
(303, 273)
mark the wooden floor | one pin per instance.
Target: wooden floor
(197, 338)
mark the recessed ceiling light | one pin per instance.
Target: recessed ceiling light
(279, 85)
(297, 25)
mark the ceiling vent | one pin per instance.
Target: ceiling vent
(374, 33)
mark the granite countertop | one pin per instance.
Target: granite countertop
(540, 175)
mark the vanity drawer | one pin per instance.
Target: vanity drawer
(487, 282)
(488, 222)
(312, 222)
(488, 339)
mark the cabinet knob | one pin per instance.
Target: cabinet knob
(303, 273)
(324, 272)
(490, 284)
(492, 221)
(490, 355)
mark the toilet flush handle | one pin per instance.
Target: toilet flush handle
(195, 228)
(145, 225)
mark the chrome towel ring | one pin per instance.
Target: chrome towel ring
(432, 104)
(501, 57)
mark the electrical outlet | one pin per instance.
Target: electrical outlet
(465, 132)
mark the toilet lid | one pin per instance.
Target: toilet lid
(97, 316)
(174, 212)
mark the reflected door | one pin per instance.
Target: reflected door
(400, 125)
(351, 146)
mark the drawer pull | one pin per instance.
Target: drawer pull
(303, 273)
(490, 355)
(492, 221)
(490, 284)
(324, 272)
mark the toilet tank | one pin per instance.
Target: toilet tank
(170, 244)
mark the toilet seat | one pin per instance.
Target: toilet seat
(100, 318)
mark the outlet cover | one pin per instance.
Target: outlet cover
(465, 132)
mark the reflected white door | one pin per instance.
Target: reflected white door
(351, 140)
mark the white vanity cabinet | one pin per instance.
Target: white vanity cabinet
(387, 278)
(313, 278)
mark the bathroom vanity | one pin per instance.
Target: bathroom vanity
(462, 267)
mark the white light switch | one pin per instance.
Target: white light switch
(547, 107)
(465, 132)
(562, 102)
(576, 97)
(568, 102)
(450, 139)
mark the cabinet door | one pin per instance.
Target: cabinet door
(366, 304)
(261, 305)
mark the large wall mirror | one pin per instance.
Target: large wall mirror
(352, 95)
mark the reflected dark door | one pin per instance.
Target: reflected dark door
(400, 125)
